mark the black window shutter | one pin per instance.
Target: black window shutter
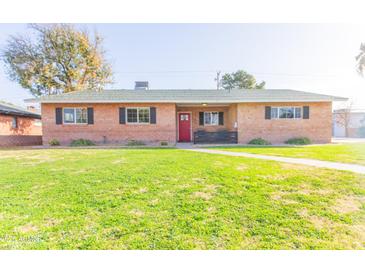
(58, 116)
(90, 116)
(121, 115)
(152, 115)
(201, 118)
(267, 113)
(221, 118)
(306, 112)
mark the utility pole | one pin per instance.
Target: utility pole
(218, 79)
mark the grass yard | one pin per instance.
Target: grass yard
(174, 199)
(345, 153)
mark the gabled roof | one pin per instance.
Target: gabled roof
(188, 96)
(9, 109)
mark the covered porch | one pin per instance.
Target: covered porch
(207, 123)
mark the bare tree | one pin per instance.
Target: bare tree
(343, 117)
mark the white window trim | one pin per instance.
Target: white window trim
(14, 122)
(210, 112)
(73, 123)
(138, 122)
(294, 118)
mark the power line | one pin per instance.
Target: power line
(215, 72)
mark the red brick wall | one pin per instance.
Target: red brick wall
(250, 118)
(27, 132)
(252, 123)
(20, 140)
(26, 126)
(195, 117)
(106, 123)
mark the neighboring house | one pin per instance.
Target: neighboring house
(349, 123)
(200, 116)
(19, 126)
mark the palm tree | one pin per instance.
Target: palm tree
(360, 58)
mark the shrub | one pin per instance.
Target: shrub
(259, 141)
(135, 143)
(164, 143)
(81, 142)
(299, 141)
(54, 142)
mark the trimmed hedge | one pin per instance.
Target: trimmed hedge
(298, 141)
(259, 142)
(81, 142)
(54, 142)
(135, 143)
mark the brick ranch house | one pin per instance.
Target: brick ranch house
(200, 116)
(19, 127)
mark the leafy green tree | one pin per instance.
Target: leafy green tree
(58, 59)
(240, 80)
(360, 58)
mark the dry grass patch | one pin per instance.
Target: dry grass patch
(136, 212)
(27, 228)
(347, 205)
(241, 167)
(202, 195)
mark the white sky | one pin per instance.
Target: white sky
(309, 57)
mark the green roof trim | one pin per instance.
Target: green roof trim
(188, 96)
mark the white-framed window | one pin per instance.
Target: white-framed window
(38, 123)
(286, 112)
(75, 115)
(14, 122)
(138, 115)
(211, 118)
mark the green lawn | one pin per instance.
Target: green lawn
(174, 199)
(345, 153)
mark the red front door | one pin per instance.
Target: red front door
(184, 127)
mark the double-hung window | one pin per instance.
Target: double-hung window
(286, 113)
(75, 115)
(211, 118)
(14, 122)
(138, 115)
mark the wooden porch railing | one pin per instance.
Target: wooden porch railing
(217, 137)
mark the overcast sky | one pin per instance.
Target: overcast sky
(309, 57)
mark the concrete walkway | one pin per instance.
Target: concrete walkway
(309, 162)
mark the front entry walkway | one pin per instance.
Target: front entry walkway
(309, 162)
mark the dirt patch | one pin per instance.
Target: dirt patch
(202, 195)
(318, 221)
(347, 205)
(280, 196)
(27, 228)
(143, 190)
(80, 171)
(154, 202)
(241, 167)
(119, 161)
(288, 166)
(198, 180)
(51, 222)
(136, 213)
(211, 187)
(360, 231)
(211, 209)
